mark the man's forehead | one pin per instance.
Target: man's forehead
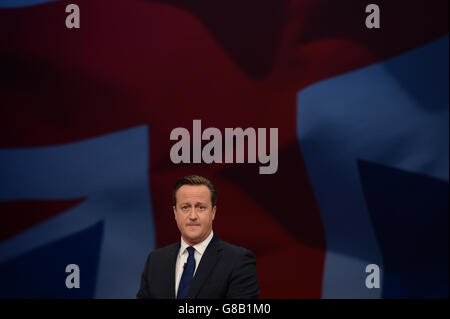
(192, 192)
(193, 189)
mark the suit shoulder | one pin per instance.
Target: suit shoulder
(163, 251)
(234, 249)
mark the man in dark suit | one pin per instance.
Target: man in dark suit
(201, 265)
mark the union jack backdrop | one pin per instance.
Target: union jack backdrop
(86, 113)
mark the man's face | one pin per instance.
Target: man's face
(194, 213)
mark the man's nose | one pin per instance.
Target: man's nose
(193, 214)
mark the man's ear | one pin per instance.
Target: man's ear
(174, 210)
(214, 212)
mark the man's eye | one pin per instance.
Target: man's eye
(184, 207)
(202, 207)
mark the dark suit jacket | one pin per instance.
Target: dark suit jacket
(225, 271)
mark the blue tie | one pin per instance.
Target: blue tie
(188, 273)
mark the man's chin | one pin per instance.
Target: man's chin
(193, 237)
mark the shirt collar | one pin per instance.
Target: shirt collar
(200, 247)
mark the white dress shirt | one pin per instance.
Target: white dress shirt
(183, 255)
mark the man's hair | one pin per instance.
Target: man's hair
(195, 180)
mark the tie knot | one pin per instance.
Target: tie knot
(191, 250)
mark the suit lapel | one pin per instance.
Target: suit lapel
(209, 259)
(171, 263)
